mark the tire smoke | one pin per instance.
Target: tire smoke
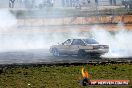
(13, 38)
(119, 41)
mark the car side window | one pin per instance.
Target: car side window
(77, 42)
(68, 42)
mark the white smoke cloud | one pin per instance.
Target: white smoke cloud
(12, 38)
(119, 42)
(7, 20)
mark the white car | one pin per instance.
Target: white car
(80, 47)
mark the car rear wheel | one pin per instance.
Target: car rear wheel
(56, 52)
(96, 56)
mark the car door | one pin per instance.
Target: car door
(75, 46)
(65, 47)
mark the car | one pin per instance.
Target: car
(80, 47)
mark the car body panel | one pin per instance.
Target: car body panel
(72, 46)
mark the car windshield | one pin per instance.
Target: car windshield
(90, 41)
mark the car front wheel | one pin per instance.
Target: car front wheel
(56, 52)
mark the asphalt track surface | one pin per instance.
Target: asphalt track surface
(45, 57)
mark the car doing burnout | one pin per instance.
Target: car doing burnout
(80, 47)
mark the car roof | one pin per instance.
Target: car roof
(81, 38)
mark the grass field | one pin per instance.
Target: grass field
(67, 76)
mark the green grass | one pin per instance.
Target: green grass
(61, 76)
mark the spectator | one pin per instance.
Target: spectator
(11, 3)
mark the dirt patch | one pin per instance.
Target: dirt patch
(79, 23)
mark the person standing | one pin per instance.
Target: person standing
(11, 3)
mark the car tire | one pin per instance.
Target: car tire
(96, 56)
(56, 52)
(81, 53)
